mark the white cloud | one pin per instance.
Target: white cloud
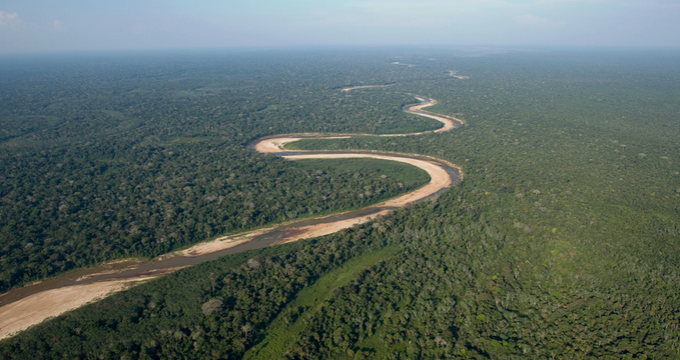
(9, 19)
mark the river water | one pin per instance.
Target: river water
(164, 264)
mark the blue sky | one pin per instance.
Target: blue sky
(68, 25)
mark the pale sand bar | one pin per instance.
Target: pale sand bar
(38, 307)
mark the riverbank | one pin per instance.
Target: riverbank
(36, 303)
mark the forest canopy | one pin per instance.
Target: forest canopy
(561, 242)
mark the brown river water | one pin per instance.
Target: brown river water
(23, 307)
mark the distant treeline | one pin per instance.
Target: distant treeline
(562, 242)
(117, 158)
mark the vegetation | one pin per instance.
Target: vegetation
(560, 243)
(120, 160)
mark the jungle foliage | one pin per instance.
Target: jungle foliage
(111, 158)
(561, 242)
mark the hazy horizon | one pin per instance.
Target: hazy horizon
(77, 25)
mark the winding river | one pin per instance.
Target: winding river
(23, 307)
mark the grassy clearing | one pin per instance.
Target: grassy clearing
(283, 332)
(269, 108)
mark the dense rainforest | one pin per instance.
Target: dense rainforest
(106, 159)
(561, 242)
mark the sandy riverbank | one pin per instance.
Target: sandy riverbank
(364, 87)
(439, 179)
(398, 63)
(275, 145)
(33, 309)
(454, 73)
(222, 243)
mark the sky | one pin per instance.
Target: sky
(89, 25)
